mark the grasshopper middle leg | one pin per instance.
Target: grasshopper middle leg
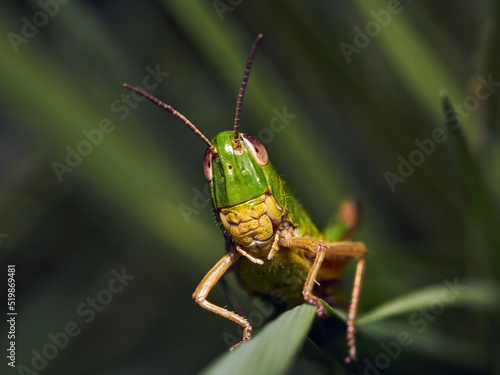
(323, 249)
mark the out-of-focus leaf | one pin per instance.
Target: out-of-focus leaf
(469, 293)
(478, 199)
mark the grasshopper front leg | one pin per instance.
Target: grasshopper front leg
(340, 248)
(207, 284)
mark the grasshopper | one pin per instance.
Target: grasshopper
(268, 234)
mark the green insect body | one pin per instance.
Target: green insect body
(273, 243)
(261, 203)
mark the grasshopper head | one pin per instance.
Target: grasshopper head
(246, 190)
(236, 173)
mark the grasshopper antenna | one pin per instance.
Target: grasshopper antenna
(168, 108)
(242, 89)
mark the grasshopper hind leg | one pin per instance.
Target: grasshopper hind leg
(335, 253)
(347, 220)
(342, 229)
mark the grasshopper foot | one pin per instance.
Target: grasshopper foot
(313, 300)
(350, 343)
(247, 333)
(352, 355)
(321, 311)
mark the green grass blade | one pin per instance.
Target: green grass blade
(335, 311)
(272, 350)
(478, 199)
(408, 63)
(482, 295)
(431, 342)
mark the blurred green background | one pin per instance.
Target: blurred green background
(363, 80)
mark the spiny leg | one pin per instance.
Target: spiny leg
(353, 310)
(322, 249)
(341, 228)
(207, 284)
(310, 280)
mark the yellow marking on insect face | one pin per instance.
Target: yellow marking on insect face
(245, 211)
(253, 221)
(247, 226)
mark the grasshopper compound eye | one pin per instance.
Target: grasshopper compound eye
(207, 165)
(256, 148)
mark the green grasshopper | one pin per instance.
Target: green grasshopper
(267, 232)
